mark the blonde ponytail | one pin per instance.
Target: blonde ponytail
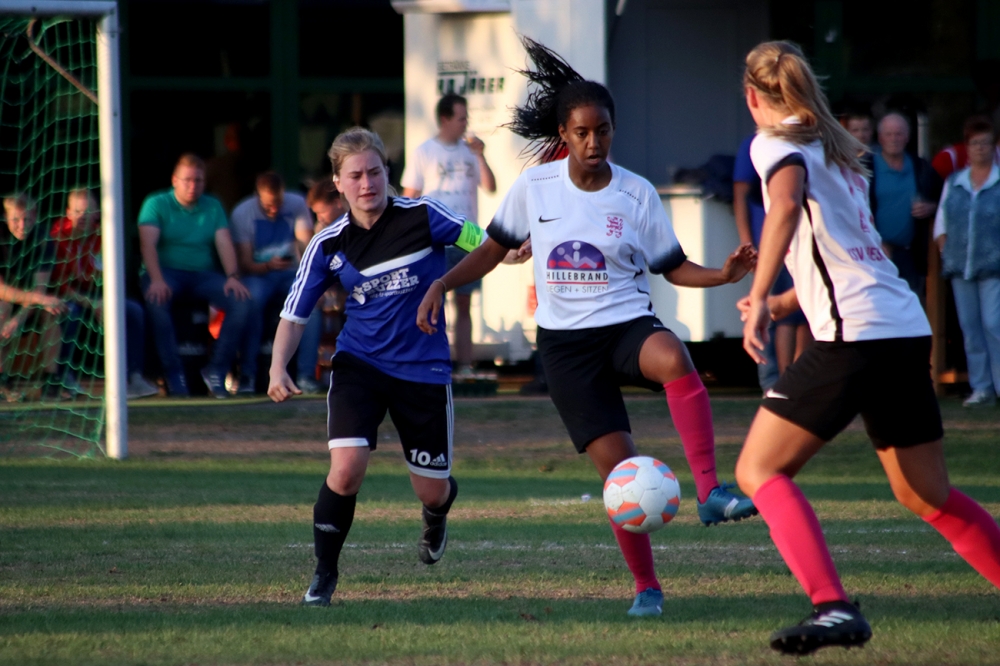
(779, 72)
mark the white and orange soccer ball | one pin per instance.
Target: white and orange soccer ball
(641, 494)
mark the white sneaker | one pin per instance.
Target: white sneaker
(139, 387)
(980, 399)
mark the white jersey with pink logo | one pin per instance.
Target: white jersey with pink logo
(847, 288)
(592, 250)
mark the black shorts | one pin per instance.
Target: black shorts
(888, 382)
(359, 397)
(584, 369)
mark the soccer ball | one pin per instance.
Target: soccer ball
(641, 494)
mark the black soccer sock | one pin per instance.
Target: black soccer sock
(442, 511)
(333, 515)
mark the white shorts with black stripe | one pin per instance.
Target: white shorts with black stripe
(359, 397)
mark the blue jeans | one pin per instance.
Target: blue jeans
(206, 285)
(135, 333)
(135, 336)
(978, 306)
(264, 288)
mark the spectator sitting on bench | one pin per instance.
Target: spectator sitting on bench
(181, 233)
(28, 327)
(76, 277)
(271, 229)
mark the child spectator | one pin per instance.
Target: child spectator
(27, 313)
(76, 277)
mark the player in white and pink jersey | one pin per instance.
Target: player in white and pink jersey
(871, 356)
(597, 231)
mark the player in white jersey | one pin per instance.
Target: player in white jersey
(383, 252)
(597, 231)
(871, 354)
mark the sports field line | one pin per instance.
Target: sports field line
(492, 546)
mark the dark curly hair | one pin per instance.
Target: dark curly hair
(555, 90)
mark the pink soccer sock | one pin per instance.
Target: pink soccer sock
(692, 415)
(972, 532)
(798, 537)
(638, 557)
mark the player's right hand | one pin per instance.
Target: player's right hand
(158, 292)
(281, 387)
(757, 319)
(430, 307)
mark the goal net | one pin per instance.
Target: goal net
(53, 368)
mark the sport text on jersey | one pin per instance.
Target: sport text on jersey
(393, 283)
(575, 267)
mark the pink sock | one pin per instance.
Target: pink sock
(971, 531)
(639, 558)
(692, 415)
(798, 537)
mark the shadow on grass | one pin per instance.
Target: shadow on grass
(180, 484)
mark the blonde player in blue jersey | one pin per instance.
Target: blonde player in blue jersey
(597, 231)
(384, 252)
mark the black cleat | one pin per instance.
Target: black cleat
(320, 590)
(434, 537)
(834, 623)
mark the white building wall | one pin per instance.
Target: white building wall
(456, 49)
(674, 68)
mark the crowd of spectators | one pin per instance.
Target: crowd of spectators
(194, 257)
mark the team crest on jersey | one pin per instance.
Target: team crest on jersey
(576, 267)
(615, 226)
(393, 283)
(336, 262)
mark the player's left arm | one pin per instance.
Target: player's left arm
(689, 274)
(665, 256)
(480, 261)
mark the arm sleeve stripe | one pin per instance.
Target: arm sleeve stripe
(672, 260)
(295, 294)
(792, 159)
(503, 237)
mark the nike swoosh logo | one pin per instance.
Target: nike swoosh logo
(551, 219)
(310, 598)
(436, 554)
(771, 393)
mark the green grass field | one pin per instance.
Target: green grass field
(198, 549)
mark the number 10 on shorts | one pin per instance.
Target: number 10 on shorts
(421, 458)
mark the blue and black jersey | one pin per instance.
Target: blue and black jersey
(385, 271)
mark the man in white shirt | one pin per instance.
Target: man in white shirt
(450, 167)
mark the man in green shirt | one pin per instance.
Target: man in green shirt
(183, 237)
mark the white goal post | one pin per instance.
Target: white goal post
(112, 222)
